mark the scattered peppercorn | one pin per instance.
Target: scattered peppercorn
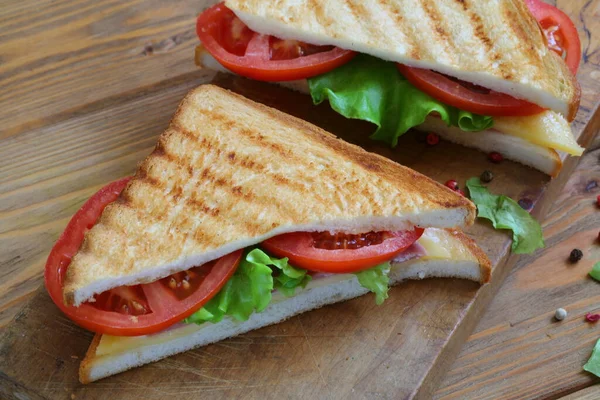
(495, 157)
(452, 184)
(589, 317)
(560, 314)
(575, 255)
(487, 176)
(432, 139)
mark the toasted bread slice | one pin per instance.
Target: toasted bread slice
(448, 254)
(229, 173)
(495, 44)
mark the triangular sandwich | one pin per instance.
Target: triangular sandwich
(241, 217)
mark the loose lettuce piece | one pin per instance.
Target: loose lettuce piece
(373, 90)
(595, 272)
(505, 213)
(250, 287)
(376, 279)
(593, 364)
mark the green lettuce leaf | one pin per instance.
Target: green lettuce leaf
(593, 364)
(376, 279)
(505, 213)
(286, 277)
(249, 289)
(373, 90)
(595, 272)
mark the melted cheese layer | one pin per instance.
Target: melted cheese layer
(547, 129)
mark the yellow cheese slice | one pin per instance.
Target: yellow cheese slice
(547, 129)
(438, 244)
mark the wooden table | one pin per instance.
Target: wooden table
(65, 63)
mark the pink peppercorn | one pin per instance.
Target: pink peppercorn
(432, 139)
(589, 317)
(452, 184)
(495, 157)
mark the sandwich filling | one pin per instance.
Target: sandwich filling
(366, 87)
(243, 282)
(434, 245)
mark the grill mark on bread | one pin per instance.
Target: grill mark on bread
(240, 160)
(520, 29)
(199, 205)
(392, 12)
(152, 181)
(483, 37)
(478, 28)
(362, 15)
(322, 18)
(202, 143)
(261, 141)
(437, 19)
(280, 180)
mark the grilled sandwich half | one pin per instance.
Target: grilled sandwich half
(228, 174)
(497, 45)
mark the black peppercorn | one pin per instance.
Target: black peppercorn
(525, 204)
(575, 255)
(487, 176)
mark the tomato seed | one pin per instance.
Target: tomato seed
(172, 283)
(137, 306)
(185, 284)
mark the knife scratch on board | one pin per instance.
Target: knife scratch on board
(312, 353)
(182, 367)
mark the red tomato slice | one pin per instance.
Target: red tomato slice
(261, 57)
(467, 96)
(132, 310)
(559, 30)
(340, 253)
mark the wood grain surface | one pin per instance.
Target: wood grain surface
(518, 351)
(87, 86)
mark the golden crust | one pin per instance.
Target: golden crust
(495, 44)
(557, 163)
(88, 361)
(484, 262)
(231, 171)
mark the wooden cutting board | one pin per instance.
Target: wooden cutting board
(68, 137)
